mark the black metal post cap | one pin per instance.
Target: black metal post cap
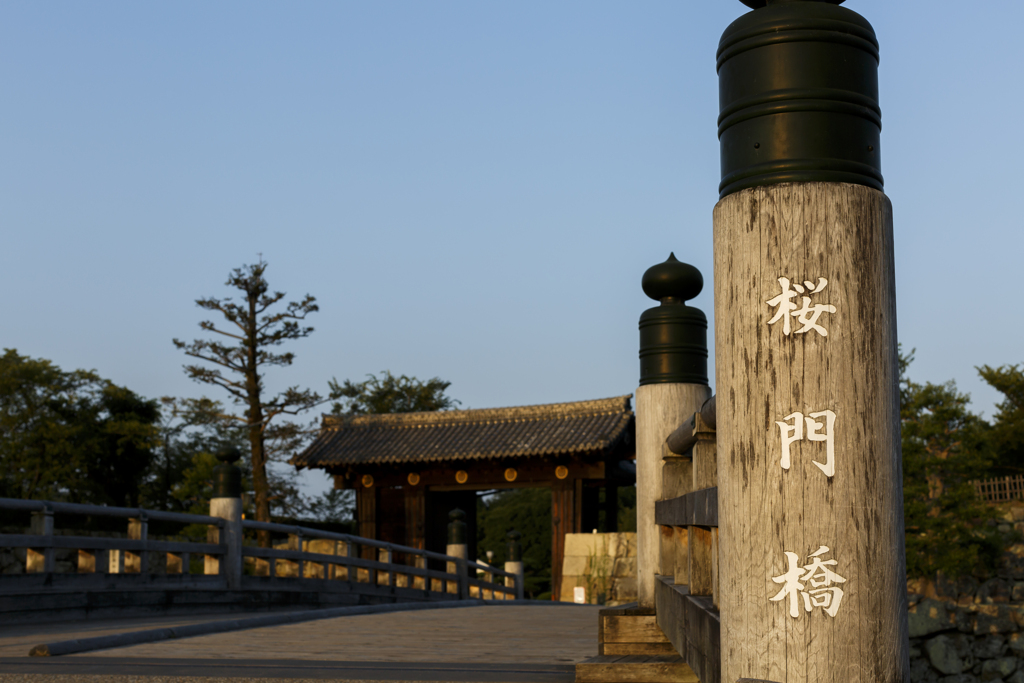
(456, 527)
(758, 4)
(229, 455)
(227, 477)
(673, 336)
(798, 97)
(515, 548)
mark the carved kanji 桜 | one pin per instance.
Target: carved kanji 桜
(805, 314)
(811, 582)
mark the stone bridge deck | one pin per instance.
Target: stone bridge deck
(492, 644)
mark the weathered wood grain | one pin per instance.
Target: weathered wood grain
(634, 669)
(806, 231)
(659, 410)
(697, 507)
(701, 566)
(630, 629)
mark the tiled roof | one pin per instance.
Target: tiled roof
(551, 429)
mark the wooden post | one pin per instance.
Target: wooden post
(459, 549)
(703, 540)
(677, 480)
(810, 484)
(138, 530)
(42, 525)
(562, 510)
(230, 510)
(673, 386)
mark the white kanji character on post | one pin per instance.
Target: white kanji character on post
(807, 315)
(786, 306)
(795, 432)
(792, 586)
(814, 434)
(822, 593)
(790, 433)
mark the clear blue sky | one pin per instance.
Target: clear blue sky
(471, 190)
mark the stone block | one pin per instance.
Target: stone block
(1001, 668)
(942, 654)
(922, 672)
(574, 565)
(624, 566)
(1015, 644)
(990, 647)
(929, 616)
(1016, 677)
(959, 678)
(994, 619)
(993, 591)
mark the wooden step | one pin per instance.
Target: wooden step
(635, 669)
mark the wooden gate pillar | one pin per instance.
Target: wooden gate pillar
(673, 385)
(812, 564)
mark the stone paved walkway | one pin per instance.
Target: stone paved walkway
(529, 643)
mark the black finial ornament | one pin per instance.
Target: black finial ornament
(515, 548)
(456, 527)
(673, 336)
(798, 94)
(227, 477)
(672, 281)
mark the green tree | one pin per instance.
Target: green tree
(1008, 423)
(390, 394)
(945, 447)
(71, 436)
(239, 358)
(527, 511)
(188, 427)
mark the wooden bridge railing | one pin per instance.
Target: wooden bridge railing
(363, 565)
(108, 555)
(330, 555)
(687, 601)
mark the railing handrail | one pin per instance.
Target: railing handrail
(108, 511)
(309, 532)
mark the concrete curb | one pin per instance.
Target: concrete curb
(67, 647)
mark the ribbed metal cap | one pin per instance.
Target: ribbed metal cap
(227, 477)
(798, 96)
(673, 336)
(456, 527)
(515, 548)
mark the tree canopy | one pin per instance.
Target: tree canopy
(72, 436)
(390, 394)
(237, 360)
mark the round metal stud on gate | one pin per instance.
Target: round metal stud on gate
(561, 471)
(511, 474)
(462, 476)
(367, 480)
(413, 479)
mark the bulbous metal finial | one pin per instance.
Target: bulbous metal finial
(757, 4)
(672, 281)
(229, 455)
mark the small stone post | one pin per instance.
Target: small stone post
(514, 563)
(673, 385)
(42, 525)
(457, 548)
(812, 563)
(227, 505)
